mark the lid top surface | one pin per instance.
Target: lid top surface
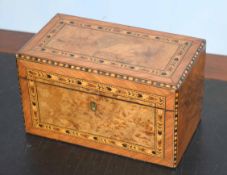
(152, 55)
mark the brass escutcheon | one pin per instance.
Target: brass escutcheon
(93, 106)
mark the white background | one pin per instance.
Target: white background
(200, 18)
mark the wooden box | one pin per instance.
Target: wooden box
(125, 90)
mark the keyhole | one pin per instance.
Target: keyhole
(93, 106)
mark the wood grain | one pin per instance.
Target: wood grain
(189, 106)
(108, 118)
(12, 41)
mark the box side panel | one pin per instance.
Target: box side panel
(189, 105)
(25, 103)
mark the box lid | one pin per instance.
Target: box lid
(134, 54)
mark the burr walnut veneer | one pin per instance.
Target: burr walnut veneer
(120, 89)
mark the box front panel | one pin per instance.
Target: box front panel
(90, 115)
(96, 115)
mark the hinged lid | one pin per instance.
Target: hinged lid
(135, 54)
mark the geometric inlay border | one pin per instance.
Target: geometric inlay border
(176, 58)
